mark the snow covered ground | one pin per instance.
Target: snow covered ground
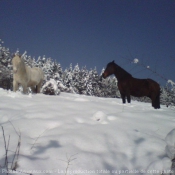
(76, 134)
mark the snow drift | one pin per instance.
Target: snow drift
(77, 134)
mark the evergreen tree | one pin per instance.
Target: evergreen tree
(68, 79)
(168, 94)
(75, 79)
(5, 67)
(93, 83)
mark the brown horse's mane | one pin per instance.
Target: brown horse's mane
(121, 73)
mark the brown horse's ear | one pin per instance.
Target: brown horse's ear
(113, 61)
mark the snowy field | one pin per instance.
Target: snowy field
(76, 134)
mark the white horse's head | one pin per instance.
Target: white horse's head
(16, 62)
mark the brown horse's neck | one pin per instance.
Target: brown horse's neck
(121, 74)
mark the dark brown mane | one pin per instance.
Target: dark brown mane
(121, 73)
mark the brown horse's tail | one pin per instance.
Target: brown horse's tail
(158, 99)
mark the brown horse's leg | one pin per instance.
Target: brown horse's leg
(154, 104)
(157, 101)
(128, 98)
(128, 95)
(123, 97)
(152, 97)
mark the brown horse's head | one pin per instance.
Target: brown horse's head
(110, 69)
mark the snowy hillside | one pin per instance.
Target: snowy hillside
(94, 135)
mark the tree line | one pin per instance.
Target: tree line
(72, 79)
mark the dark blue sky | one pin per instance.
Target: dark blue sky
(94, 32)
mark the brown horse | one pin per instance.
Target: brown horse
(129, 85)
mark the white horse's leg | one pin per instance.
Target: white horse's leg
(33, 89)
(15, 86)
(38, 87)
(24, 86)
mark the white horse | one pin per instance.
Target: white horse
(26, 76)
